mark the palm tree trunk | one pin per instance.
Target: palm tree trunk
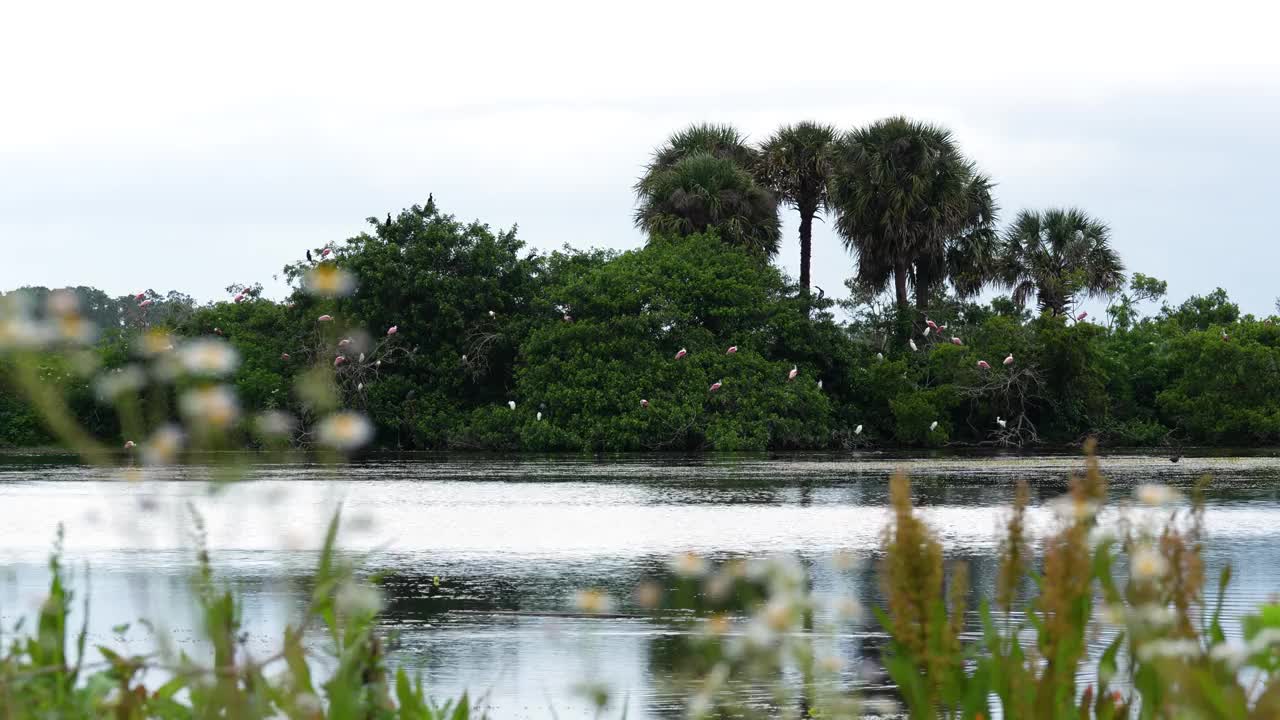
(806, 248)
(900, 284)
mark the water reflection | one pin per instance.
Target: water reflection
(481, 554)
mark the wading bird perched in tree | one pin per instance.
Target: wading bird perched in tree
(857, 430)
(1057, 255)
(956, 341)
(644, 403)
(792, 375)
(933, 426)
(732, 349)
(324, 318)
(393, 329)
(1082, 316)
(912, 345)
(309, 256)
(1009, 360)
(984, 365)
(284, 356)
(797, 163)
(129, 445)
(1001, 422)
(511, 404)
(681, 353)
(716, 385)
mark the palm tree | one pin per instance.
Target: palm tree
(796, 164)
(1056, 255)
(913, 209)
(701, 192)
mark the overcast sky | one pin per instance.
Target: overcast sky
(189, 146)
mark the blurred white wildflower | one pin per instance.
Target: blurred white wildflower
(209, 357)
(308, 705)
(163, 446)
(1156, 495)
(1264, 640)
(72, 329)
(356, 599)
(121, 381)
(156, 342)
(1069, 509)
(1146, 563)
(21, 332)
(593, 601)
(1232, 654)
(780, 614)
(274, 423)
(1151, 615)
(214, 405)
(689, 565)
(1182, 649)
(345, 431)
(847, 609)
(329, 281)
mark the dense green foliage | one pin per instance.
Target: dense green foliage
(579, 338)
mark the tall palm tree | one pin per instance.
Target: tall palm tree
(723, 141)
(796, 163)
(1056, 255)
(912, 208)
(701, 192)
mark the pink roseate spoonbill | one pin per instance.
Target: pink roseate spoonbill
(927, 331)
(716, 385)
(339, 360)
(956, 341)
(145, 304)
(912, 344)
(984, 365)
(344, 342)
(644, 403)
(1225, 336)
(681, 353)
(1009, 360)
(238, 298)
(732, 349)
(393, 329)
(932, 325)
(792, 375)
(129, 445)
(568, 317)
(941, 328)
(326, 253)
(284, 356)
(1082, 316)
(324, 318)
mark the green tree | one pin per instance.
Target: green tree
(797, 164)
(913, 209)
(703, 192)
(632, 313)
(1057, 255)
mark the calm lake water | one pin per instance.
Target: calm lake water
(511, 538)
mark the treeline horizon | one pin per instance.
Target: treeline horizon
(499, 347)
